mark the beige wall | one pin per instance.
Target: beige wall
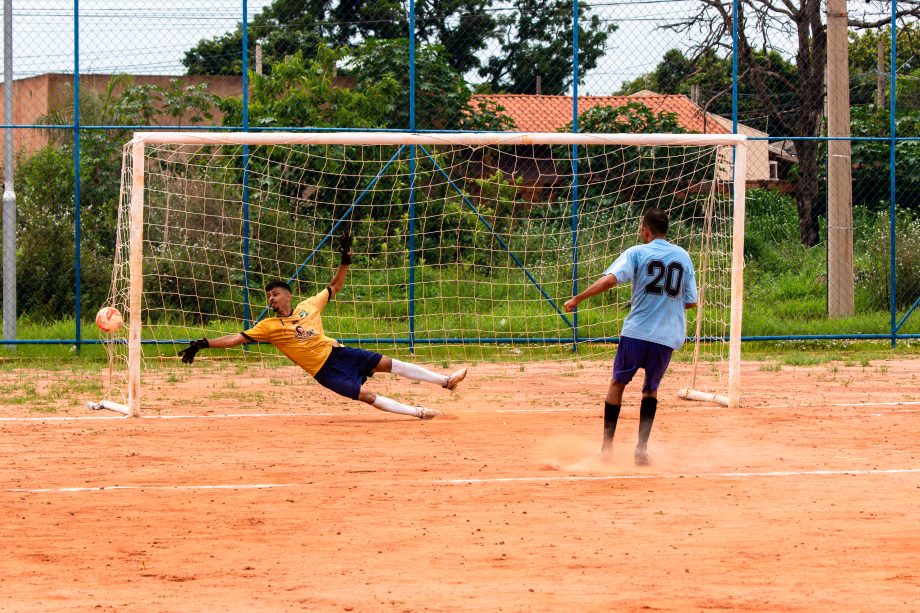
(758, 153)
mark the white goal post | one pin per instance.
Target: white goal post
(483, 221)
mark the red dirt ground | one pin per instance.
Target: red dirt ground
(269, 494)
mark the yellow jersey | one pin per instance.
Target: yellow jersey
(300, 336)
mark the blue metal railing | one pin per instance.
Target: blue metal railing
(77, 127)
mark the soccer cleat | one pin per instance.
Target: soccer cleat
(641, 457)
(426, 413)
(454, 379)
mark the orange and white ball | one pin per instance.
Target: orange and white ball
(109, 320)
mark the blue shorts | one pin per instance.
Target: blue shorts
(346, 369)
(633, 354)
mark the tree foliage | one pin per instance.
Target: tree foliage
(533, 38)
(442, 98)
(301, 91)
(643, 173)
(863, 55)
(287, 26)
(872, 162)
(45, 186)
(711, 73)
(762, 26)
(463, 28)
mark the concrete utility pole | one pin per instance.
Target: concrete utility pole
(840, 277)
(9, 195)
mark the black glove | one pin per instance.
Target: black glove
(345, 248)
(188, 354)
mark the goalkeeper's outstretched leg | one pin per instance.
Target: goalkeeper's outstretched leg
(416, 373)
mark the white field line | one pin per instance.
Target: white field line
(893, 403)
(523, 410)
(727, 475)
(473, 481)
(213, 416)
(110, 488)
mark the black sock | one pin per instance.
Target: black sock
(611, 415)
(646, 418)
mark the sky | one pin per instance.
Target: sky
(151, 37)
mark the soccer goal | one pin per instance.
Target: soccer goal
(466, 245)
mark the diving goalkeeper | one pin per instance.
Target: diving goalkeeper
(297, 331)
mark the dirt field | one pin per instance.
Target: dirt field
(269, 494)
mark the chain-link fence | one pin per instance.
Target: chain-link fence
(830, 104)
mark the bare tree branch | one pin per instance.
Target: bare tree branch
(862, 24)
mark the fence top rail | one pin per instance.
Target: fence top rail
(430, 138)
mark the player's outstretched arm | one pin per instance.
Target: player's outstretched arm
(598, 287)
(229, 340)
(338, 280)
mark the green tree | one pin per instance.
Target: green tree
(638, 170)
(533, 39)
(712, 75)
(462, 27)
(287, 26)
(863, 56)
(631, 118)
(871, 159)
(673, 72)
(45, 181)
(758, 24)
(442, 96)
(301, 91)
(536, 41)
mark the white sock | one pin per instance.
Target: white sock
(417, 373)
(391, 406)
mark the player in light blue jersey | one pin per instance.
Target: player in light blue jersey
(663, 288)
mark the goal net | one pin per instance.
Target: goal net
(465, 246)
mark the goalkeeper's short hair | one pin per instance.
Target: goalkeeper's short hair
(276, 284)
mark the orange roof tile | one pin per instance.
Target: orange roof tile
(538, 113)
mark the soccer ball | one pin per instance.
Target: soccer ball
(109, 320)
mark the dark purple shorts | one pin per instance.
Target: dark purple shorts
(346, 369)
(633, 354)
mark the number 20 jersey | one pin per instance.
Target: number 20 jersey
(663, 283)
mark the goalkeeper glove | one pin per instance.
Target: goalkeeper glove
(345, 249)
(188, 354)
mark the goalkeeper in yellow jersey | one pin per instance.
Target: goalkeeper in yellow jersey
(297, 331)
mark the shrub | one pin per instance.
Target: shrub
(873, 267)
(771, 229)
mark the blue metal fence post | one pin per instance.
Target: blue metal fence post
(735, 11)
(892, 211)
(412, 163)
(76, 169)
(575, 171)
(247, 315)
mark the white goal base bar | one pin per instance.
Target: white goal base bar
(111, 406)
(687, 394)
